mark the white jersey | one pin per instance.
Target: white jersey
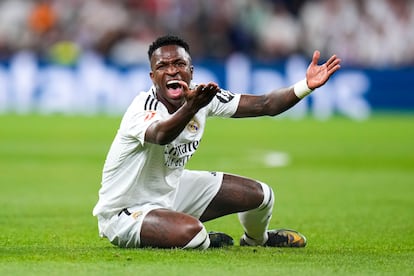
(136, 172)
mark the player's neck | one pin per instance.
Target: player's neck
(171, 105)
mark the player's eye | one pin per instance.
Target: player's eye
(161, 66)
(180, 64)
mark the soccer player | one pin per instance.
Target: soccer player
(149, 199)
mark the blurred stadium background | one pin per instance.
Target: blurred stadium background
(88, 57)
(346, 184)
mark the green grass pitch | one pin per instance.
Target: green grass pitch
(347, 185)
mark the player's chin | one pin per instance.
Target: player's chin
(176, 101)
(175, 96)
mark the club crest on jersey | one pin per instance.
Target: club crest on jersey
(193, 126)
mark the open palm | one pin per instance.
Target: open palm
(318, 75)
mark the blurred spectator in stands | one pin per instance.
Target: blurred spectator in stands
(364, 33)
(42, 17)
(279, 32)
(372, 32)
(14, 35)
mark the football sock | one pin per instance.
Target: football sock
(200, 241)
(256, 221)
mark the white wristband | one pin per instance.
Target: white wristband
(301, 89)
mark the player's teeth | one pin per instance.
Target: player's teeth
(174, 84)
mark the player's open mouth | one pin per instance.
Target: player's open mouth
(174, 87)
(174, 84)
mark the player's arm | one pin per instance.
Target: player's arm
(280, 100)
(164, 131)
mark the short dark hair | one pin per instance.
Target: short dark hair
(167, 40)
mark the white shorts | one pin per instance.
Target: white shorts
(194, 193)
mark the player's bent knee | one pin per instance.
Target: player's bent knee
(268, 197)
(199, 241)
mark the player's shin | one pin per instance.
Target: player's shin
(256, 221)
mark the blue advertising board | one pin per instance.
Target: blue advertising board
(93, 86)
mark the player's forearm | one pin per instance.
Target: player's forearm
(278, 101)
(164, 132)
(269, 104)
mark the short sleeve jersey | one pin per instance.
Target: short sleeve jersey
(136, 172)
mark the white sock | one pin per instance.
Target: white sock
(200, 241)
(256, 221)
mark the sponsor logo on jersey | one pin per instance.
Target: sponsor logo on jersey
(224, 96)
(177, 156)
(193, 126)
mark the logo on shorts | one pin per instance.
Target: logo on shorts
(136, 214)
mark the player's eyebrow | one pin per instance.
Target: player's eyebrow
(174, 61)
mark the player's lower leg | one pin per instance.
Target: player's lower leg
(256, 221)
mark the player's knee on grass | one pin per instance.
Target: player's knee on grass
(199, 241)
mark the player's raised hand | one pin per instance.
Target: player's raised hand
(201, 95)
(318, 75)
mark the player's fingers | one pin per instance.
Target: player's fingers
(204, 91)
(333, 69)
(208, 90)
(212, 86)
(209, 87)
(315, 57)
(184, 85)
(201, 88)
(333, 64)
(332, 60)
